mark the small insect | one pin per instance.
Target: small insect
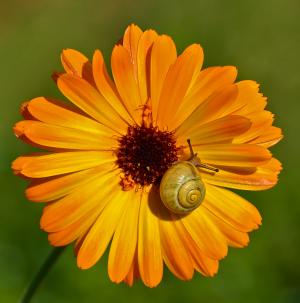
(181, 188)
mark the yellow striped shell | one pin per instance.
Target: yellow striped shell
(181, 188)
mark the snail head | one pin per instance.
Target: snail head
(196, 160)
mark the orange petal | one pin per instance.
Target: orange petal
(107, 87)
(58, 187)
(124, 241)
(149, 247)
(131, 39)
(60, 163)
(98, 237)
(263, 178)
(126, 82)
(174, 253)
(163, 55)
(143, 63)
(218, 131)
(54, 112)
(207, 266)
(234, 237)
(133, 273)
(209, 110)
(205, 234)
(208, 82)
(73, 231)
(249, 96)
(63, 137)
(261, 121)
(241, 155)
(232, 208)
(77, 64)
(93, 196)
(270, 136)
(177, 82)
(87, 98)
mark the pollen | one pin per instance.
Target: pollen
(145, 153)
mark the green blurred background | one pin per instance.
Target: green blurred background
(261, 38)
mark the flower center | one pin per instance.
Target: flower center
(144, 154)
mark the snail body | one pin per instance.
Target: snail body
(181, 188)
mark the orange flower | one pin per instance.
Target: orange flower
(108, 150)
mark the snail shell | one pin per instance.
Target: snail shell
(181, 188)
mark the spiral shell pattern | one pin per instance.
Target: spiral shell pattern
(190, 193)
(181, 188)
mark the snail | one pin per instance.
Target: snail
(181, 188)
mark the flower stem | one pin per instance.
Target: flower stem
(40, 275)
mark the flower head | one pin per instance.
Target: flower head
(110, 147)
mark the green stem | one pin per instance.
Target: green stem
(40, 275)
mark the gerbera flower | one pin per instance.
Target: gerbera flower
(109, 148)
